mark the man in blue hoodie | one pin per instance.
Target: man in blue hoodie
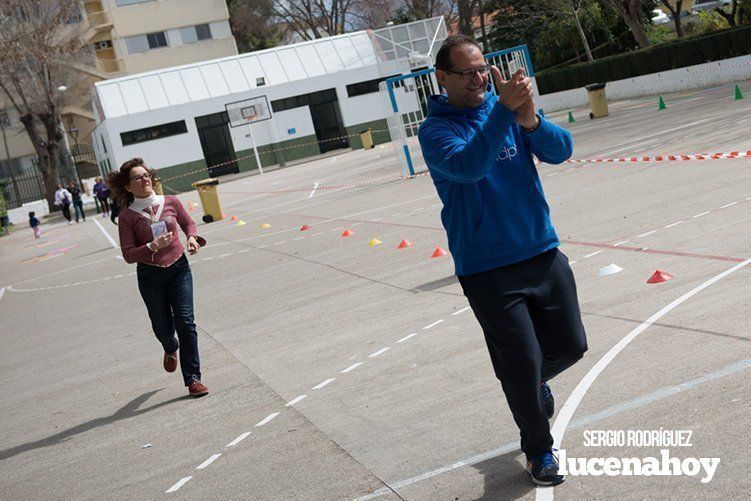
(478, 146)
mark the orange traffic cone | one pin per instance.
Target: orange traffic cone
(438, 252)
(347, 233)
(304, 227)
(233, 218)
(403, 244)
(659, 277)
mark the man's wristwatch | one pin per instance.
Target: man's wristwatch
(153, 248)
(529, 131)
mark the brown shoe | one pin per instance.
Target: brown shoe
(170, 361)
(197, 389)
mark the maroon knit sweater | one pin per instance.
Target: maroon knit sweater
(135, 233)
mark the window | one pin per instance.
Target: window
(260, 81)
(324, 96)
(193, 34)
(155, 132)
(360, 88)
(104, 146)
(143, 43)
(120, 3)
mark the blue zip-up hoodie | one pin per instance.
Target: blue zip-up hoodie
(494, 209)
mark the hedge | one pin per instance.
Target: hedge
(715, 46)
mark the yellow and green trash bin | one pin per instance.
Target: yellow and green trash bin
(598, 100)
(367, 139)
(212, 210)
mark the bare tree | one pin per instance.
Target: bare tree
(311, 19)
(676, 13)
(40, 42)
(630, 11)
(253, 24)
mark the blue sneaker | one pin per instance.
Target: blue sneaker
(548, 402)
(544, 469)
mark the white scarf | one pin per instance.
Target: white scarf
(139, 204)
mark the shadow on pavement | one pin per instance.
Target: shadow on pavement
(131, 409)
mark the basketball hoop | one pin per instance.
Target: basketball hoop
(248, 112)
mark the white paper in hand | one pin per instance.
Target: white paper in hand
(158, 228)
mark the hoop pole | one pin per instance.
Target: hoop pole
(255, 149)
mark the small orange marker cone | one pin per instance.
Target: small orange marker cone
(374, 242)
(403, 244)
(659, 277)
(304, 227)
(233, 218)
(265, 226)
(241, 223)
(191, 208)
(438, 252)
(224, 216)
(347, 233)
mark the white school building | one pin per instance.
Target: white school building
(320, 94)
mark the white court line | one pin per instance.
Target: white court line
(225, 255)
(673, 224)
(280, 243)
(572, 402)
(701, 214)
(208, 258)
(620, 243)
(614, 410)
(357, 224)
(408, 336)
(296, 239)
(239, 439)
(324, 383)
(553, 174)
(111, 240)
(179, 483)
(396, 215)
(295, 400)
(351, 368)
(2, 291)
(266, 419)
(645, 234)
(213, 458)
(376, 219)
(379, 352)
(316, 234)
(573, 262)
(593, 254)
(460, 311)
(430, 326)
(244, 251)
(315, 187)
(728, 205)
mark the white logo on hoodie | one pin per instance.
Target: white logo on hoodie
(507, 153)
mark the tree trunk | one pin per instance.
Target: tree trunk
(629, 11)
(48, 154)
(676, 12)
(579, 28)
(485, 47)
(465, 17)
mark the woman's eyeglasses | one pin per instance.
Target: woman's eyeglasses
(470, 74)
(138, 178)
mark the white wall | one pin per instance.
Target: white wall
(690, 77)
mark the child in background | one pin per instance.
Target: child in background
(34, 223)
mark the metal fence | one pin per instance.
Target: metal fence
(28, 186)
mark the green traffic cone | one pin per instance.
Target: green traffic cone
(661, 105)
(738, 93)
(570, 117)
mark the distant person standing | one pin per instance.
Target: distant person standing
(148, 228)
(63, 200)
(75, 193)
(34, 223)
(103, 195)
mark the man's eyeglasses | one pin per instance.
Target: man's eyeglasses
(138, 178)
(470, 74)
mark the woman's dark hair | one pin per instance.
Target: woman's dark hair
(32, 214)
(117, 180)
(443, 58)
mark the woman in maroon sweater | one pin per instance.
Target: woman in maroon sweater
(148, 227)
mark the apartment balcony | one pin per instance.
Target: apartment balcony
(110, 65)
(98, 26)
